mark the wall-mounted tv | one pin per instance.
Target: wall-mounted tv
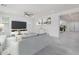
(18, 25)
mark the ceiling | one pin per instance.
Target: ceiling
(71, 17)
(36, 9)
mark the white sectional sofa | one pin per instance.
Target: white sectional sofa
(31, 45)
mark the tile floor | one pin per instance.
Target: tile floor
(67, 44)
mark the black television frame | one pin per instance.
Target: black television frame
(18, 23)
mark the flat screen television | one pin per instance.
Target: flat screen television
(18, 25)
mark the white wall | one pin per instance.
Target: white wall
(69, 25)
(77, 26)
(29, 23)
(7, 28)
(72, 26)
(52, 29)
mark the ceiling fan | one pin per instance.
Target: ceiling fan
(4, 5)
(28, 14)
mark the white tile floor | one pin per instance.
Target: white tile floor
(68, 44)
(70, 40)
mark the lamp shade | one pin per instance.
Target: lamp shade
(1, 25)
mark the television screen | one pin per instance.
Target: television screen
(18, 25)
